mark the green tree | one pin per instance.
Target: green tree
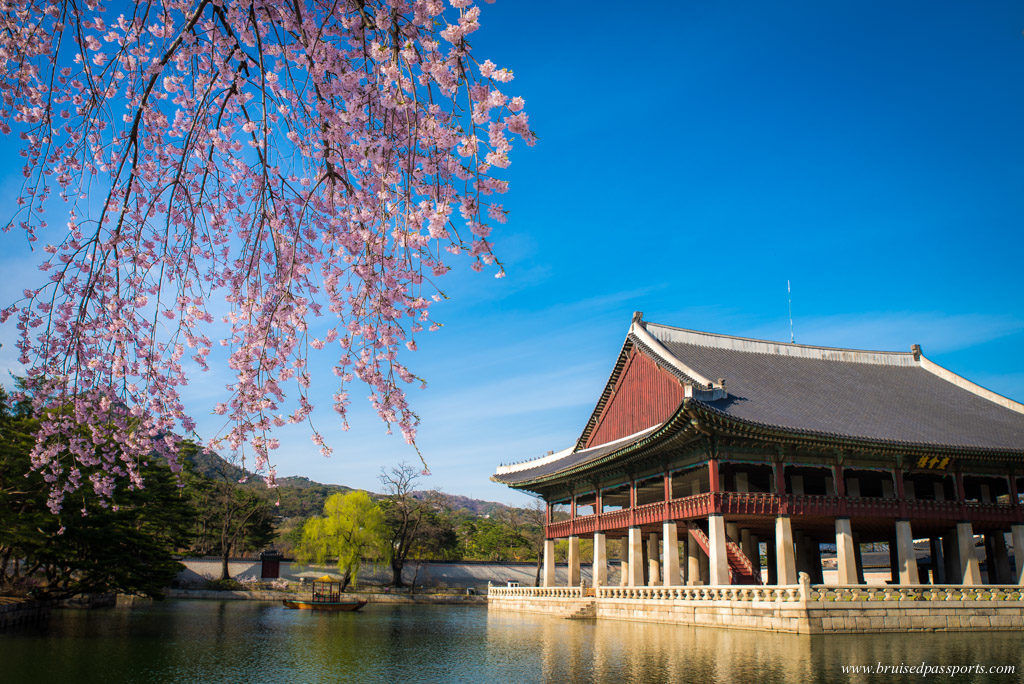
(350, 530)
(124, 544)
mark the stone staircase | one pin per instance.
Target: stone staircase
(587, 611)
(740, 567)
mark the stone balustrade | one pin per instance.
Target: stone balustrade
(919, 592)
(536, 592)
(791, 593)
(703, 593)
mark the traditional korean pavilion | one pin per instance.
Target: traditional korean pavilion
(723, 443)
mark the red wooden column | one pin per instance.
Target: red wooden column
(837, 475)
(572, 515)
(715, 484)
(598, 501)
(961, 495)
(901, 497)
(668, 493)
(632, 502)
(779, 471)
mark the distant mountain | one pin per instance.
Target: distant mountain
(303, 497)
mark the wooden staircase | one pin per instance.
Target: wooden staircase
(740, 567)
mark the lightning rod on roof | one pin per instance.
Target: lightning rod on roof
(789, 296)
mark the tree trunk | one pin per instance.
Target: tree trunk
(346, 578)
(396, 572)
(536, 580)
(224, 574)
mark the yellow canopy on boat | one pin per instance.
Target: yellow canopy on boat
(327, 578)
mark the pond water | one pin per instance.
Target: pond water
(240, 641)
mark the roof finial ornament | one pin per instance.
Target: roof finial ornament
(638, 316)
(915, 349)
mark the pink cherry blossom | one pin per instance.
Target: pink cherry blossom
(276, 163)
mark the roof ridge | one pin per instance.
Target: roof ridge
(699, 338)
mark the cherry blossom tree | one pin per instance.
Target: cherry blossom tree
(281, 161)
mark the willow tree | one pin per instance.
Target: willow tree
(282, 160)
(350, 531)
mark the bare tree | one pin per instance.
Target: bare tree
(403, 514)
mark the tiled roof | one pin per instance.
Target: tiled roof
(883, 396)
(547, 465)
(875, 396)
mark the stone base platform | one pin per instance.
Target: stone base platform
(798, 609)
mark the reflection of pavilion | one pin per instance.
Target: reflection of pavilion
(741, 442)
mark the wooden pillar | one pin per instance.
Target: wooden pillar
(785, 558)
(574, 561)
(845, 555)
(716, 542)
(778, 478)
(548, 579)
(906, 556)
(599, 572)
(714, 480)
(670, 554)
(969, 570)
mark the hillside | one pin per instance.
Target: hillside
(302, 497)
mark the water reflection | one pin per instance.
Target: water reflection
(190, 641)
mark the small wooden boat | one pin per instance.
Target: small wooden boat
(326, 596)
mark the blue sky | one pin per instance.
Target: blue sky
(691, 160)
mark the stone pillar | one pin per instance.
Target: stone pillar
(719, 566)
(624, 562)
(998, 560)
(814, 555)
(785, 559)
(906, 557)
(969, 569)
(548, 580)
(858, 560)
(755, 547)
(600, 569)
(951, 557)
(1017, 532)
(653, 564)
(574, 561)
(938, 561)
(747, 545)
(732, 531)
(693, 554)
(670, 554)
(845, 555)
(636, 558)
